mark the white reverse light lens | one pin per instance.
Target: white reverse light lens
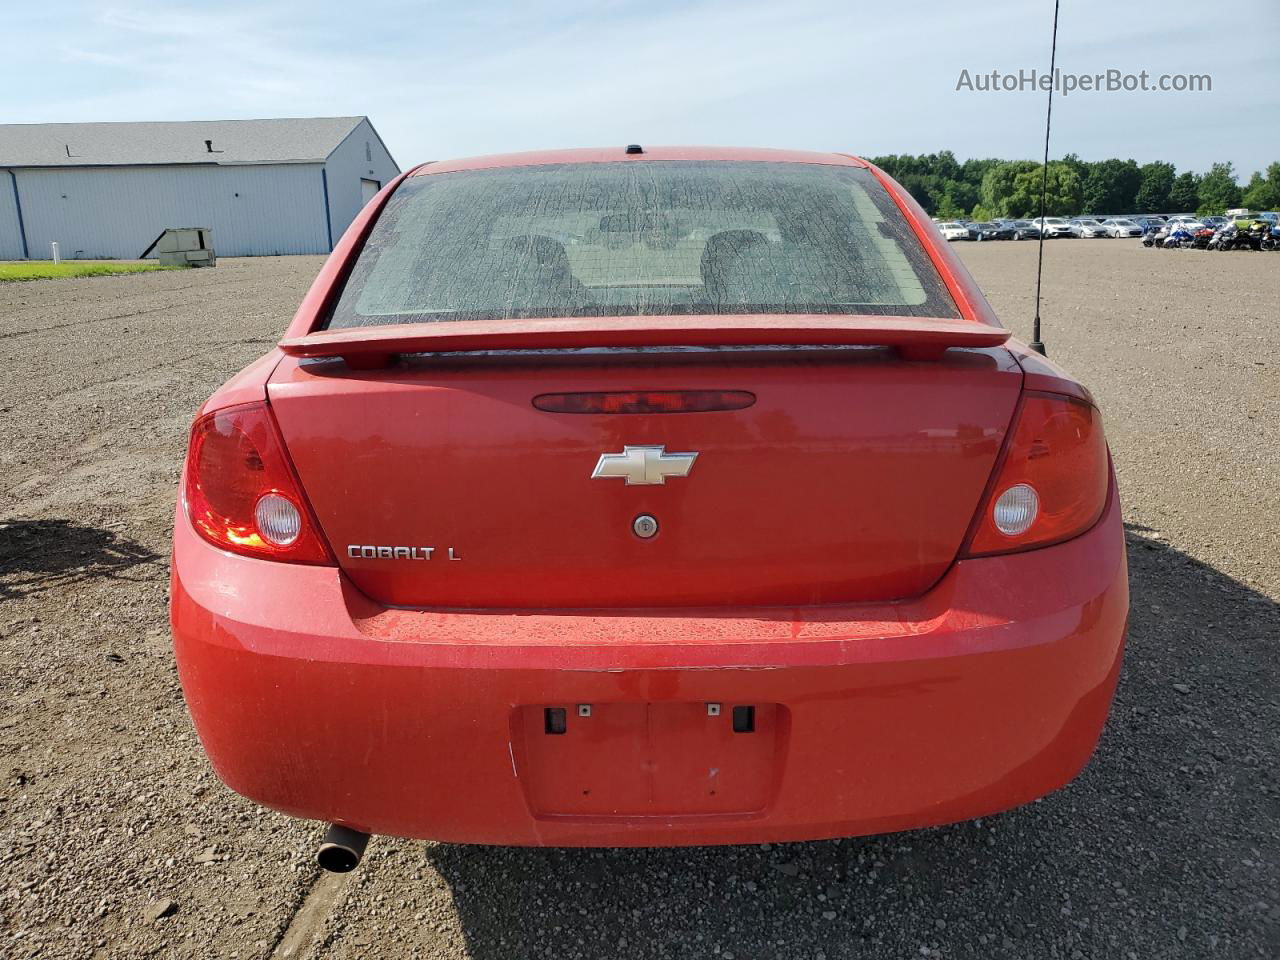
(1016, 510)
(278, 520)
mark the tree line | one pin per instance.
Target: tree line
(989, 189)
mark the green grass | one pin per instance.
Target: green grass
(47, 270)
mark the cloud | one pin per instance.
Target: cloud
(445, 79)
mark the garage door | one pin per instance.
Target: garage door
(10, 230)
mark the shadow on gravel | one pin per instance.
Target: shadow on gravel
(38, 555)
(1166, 846)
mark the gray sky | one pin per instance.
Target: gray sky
(456, 78)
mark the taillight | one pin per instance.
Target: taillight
(1052, 483)
(241, 493)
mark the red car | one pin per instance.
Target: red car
(645, 497)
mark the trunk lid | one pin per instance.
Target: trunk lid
(852, 477)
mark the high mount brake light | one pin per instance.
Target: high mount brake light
(1052, 483)
(240, 491)
(645, 401)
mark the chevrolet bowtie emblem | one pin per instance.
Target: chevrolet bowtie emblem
(644, 465)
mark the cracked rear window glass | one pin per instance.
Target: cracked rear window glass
(657, 238)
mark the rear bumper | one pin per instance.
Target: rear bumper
(988, 692)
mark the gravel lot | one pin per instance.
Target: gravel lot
(116, 840)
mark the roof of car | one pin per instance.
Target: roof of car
(619, 154)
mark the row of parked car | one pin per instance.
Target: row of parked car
(1085, 227)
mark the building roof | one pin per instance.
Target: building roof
(290, 140)
(619, 154)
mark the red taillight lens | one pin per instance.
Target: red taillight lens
(240, 491)
(1053, 481)
(645, 401)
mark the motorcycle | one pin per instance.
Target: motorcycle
(1250, 234)
(1154, 236)
(1177, 238)
(1258, 231)
(1202, 237)
(1271, 240)
(1224, 237)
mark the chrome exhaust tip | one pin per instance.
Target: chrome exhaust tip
(342, 849)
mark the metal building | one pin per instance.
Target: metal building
(105, 190)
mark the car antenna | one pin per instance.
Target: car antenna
(1036, 343)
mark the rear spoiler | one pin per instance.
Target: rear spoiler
(916, 338)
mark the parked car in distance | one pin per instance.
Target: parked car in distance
(953, 230)
(984, 230)
(1087, 227)
(500, 544)
(1254, 225)
(1055, 227)
(1213, 221)
(1122, 228)
(1024, 229)
(1186, 221)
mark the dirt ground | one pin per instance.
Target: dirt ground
(116, 840)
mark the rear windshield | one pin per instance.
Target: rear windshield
(640, 238)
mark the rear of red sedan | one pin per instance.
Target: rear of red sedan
(665, 497)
